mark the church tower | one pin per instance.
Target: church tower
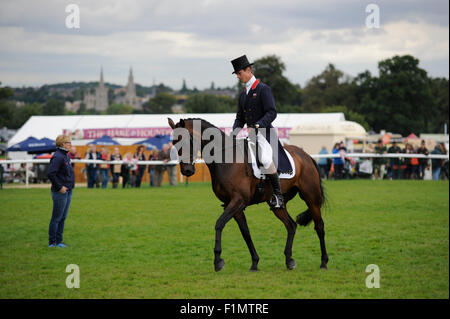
(101, 95)
(98, 100)
(130, 96)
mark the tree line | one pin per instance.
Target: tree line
(402, 98)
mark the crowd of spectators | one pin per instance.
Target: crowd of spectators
(343, 167)
(129, 173)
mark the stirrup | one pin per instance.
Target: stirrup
(276, 201)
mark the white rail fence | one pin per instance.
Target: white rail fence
(29, 162)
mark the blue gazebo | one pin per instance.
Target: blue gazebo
(156, 141)
(105, 140)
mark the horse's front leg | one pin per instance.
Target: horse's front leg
(232, 208)
(242, 222)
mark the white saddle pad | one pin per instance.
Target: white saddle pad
(257, 171)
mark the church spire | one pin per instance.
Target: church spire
(101, 77)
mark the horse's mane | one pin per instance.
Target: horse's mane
(205, 124)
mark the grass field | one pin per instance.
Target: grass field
(158, 243)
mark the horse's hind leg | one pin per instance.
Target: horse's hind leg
(319, 226)
(303, 219)
(291, 226)
(242, 222)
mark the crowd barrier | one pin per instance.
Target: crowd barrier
(28, 162)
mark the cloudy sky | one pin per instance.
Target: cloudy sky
(168, 40)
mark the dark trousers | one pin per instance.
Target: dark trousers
(139, 174)
(61, 204)
(104, 173)
(338, 171)
(323, 171)
(152, 177)
(91, 176)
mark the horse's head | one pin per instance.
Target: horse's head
(183, 141)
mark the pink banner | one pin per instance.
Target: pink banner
(145, 132)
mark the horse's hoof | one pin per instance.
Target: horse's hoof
(291, 264)
(253, 268)
(219, 265)
(324, 267)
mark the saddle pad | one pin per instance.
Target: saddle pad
(257, 170)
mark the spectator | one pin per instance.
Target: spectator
(172, 168)
(436, 163)
(126, 167)
(337, 162)
(163, 155)
(116, 169)
(394, 162)
(422, 161)
(139, 156)
(412, 163)
(73, 154)
(60, 173)
(104, 168)
(91, 168)
(346, 162)
(379, 162)
(323, 163)
(151, 168)
(444, 167)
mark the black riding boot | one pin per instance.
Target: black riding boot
(277, 197)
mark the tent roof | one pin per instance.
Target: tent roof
(339, 128)
(52, 126)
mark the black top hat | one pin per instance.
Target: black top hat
(240, 63)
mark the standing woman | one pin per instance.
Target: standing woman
(60, 173)
(139, 156)
(116, 168)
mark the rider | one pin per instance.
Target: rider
(257, 110)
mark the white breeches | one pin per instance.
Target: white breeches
(265, 151)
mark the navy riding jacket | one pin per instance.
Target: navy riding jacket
(256, 107)
(60, 171)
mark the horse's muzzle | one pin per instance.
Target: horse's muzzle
(188, 171)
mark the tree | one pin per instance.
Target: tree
(161, 104)
(119, 109)
(6, 107)
(439, 90)
(53, 106)
(269, 70)
(210, 103)
(331, 87)
(400, 99)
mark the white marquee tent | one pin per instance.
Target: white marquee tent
(52, 126)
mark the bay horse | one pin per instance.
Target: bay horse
(235, 188)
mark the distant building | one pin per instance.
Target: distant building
(130, 95)
(99, 100)
(73, 106)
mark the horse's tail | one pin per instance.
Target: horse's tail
(303, 219)
(322, 193)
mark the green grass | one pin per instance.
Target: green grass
(158, 243)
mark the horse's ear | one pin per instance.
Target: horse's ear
(171, 123)
(182, 123)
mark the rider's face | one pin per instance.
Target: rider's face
(244, 75)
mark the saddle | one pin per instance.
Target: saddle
(261, 185)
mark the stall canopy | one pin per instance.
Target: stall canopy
(105, 140)
(156, 141)
(33, 145)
